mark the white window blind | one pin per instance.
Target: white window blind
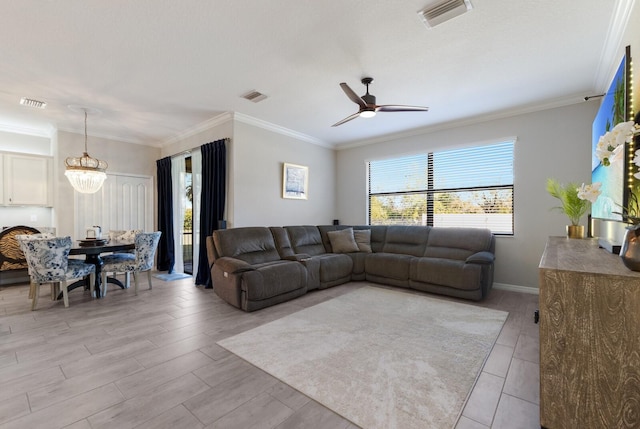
(470, 187)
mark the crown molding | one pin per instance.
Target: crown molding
(47, 132)
(107, 137)
(250, 120)
(198, 128)
(502, 114)
(609, 56)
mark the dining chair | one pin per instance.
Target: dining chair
(124, 235)
(141, 260)
(48, 262)
(29, 235)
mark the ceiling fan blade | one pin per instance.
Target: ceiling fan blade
(353, 96)
(400, 108)
(347, 119)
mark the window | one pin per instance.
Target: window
(470, 187)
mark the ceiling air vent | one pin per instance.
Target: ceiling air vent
(254, 96)
(442, 11)
(29, 102)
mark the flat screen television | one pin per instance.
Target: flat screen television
(614, 108)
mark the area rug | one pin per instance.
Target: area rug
(380, 358)
(172, 276)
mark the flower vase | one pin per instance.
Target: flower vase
(575, 231)
(630, 250)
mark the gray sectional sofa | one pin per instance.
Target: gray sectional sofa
(256, 267)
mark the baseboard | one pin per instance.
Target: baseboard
(516, 288)
(11, 277)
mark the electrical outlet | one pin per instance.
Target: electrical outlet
(34, 218)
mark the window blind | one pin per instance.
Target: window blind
(462, 187)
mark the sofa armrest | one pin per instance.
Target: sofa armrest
(297, 257)
(484, 258)
(233, 265)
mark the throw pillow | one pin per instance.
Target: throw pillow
(342, 241)
(129, 235)
(363, 239)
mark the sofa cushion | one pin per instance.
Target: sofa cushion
(254, 245)
(406, 240)
(305, 239)
(343, 241)
(327, 270)
(446, 272)
(378, 237)
(273, 279)
(281, 238)
(363, 239)
(334, 267)
(458, 243)
(388, 265)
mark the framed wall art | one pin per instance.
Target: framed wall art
(295, 181)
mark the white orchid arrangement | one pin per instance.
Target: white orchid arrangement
(610, 147)
(575, 199)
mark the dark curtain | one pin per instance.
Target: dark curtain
(214, 173)
(165, 252)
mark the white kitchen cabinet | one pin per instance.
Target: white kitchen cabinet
(2, 179)
(28, 180)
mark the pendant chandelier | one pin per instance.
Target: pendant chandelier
(86, 174)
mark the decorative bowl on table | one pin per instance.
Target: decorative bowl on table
(92, 242)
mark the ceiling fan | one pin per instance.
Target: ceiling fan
(368, 106)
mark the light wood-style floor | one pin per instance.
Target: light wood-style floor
(152, 361)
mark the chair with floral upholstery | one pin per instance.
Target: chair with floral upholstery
(123, 235)
(139, 261)
(28, 235)
(48, 262)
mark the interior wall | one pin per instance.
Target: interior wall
(256, 179)
(123, 158)
(550, 143)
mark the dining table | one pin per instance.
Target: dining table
(92, 249)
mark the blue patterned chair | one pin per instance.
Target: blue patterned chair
(139, 261)
(48, 262)
(124, 235)
(20, 238)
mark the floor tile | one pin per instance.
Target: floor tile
(176, 418)
(466, 423)
(29, 382)
(523, 381)
(484, 399)
(261, 412)
(527, 348)
(14, 407)
(70, 411)
(147, 379)
(135, 411)
(288, 396)
(515, 413)
(68, 388)
(314, 415)
(499, 360)
(229, 395)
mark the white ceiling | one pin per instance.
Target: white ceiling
(158, 68)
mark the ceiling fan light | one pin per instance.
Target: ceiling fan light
(369, 113)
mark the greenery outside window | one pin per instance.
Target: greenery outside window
(470, 187)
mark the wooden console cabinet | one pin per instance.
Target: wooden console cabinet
(589, 337)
